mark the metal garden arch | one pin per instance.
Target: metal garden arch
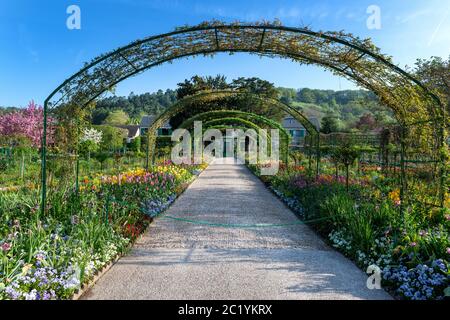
(213, 118)
(210, 96)
(343, 54)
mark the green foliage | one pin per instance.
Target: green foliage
(134, 105)
(256, 86)
(87, 147)
(135, 144)
(113, 138)
(329, 124)
(347, 154)
(80, 231)
(163, 141)
(70, 119)
(297, 156)
(102, 157)
(197, 84)
(348, 105)
(117, 117)
(435, 73)
(243, 102)
(4, 163)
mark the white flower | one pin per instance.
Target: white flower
(31, 295)
(92, 135)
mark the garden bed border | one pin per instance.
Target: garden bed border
(85, 287)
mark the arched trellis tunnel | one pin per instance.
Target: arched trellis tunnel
(207, 97)
(225, 124)
(419, 112)
(235, 117)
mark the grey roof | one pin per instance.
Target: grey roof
(290, 123)
(132, 129)
(148, 120)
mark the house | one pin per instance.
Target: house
(134, 131)
(146, 122)
(296, 129)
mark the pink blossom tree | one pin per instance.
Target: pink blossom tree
(27, 123)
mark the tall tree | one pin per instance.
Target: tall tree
(198, 83)
(256, 86)
(25, 124)
(329, 124)
(306, 95)
(366, 122)
(113, 138)
(117, 117)
(435, 73)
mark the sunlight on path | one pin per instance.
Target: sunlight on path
(181, 257)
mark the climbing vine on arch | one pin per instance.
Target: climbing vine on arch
(233, 117)
(419, 110)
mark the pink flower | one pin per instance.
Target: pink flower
(448, 250)
(447, 217)
(413, 244)
(27, 123)
(6, 246)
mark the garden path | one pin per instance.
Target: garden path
(211, 253)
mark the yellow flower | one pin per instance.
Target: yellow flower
(25, 268)
(447, 200)
(394, 195)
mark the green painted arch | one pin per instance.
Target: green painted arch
(230, 121)
(251, 124)
(226, 127)
(254, 118)
(211, 96)
(262, 122)
(259, 121)
(358, 60)
(234, 113)
(343, 54)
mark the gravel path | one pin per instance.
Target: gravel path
(214, 256)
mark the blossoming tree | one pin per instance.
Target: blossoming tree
(26, 123)
(90, 141)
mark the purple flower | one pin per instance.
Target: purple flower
(413, 244)
(448, 250)
(12, 292)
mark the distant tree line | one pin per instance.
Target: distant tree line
(135, 105)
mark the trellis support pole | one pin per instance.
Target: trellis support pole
(44, 159)
(403, 182)
(318, 155)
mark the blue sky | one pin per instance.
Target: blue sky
(38, 51)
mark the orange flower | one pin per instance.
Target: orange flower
(394, 195)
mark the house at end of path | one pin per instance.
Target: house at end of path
(146, 122)
(133, 131)
(296, 130)
(141, 129)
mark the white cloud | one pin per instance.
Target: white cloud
(412, 16)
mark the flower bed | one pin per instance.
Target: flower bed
(50, 256)
(365, 223)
